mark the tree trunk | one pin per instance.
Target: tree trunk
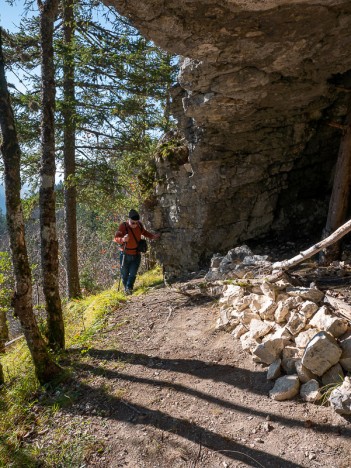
(69, 118)
(46, 369)
(4, 331)
(338, 204)
(332, 239)
(49, 243)
(1, 375)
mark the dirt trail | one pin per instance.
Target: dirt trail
(162, 388)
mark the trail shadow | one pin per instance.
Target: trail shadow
(255, 382)
(290, 422)
(136, 414)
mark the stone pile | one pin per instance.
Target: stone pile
(293, 331)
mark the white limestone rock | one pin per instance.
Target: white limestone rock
(281, 312)
(274, 370)
(321, 353)
(262, 303)
(308, 309)
(303, 338)
(231, 293)
(269, 290)
(267, 309)
(310, 391)
(308, 294)
(239, 331)
(224, 322)
(247, 315)
(248, 342)
(304, 374)
(269, 351)
(324, 320)
(260, 328)
(296, 323)
(293, 302)
(285, 388)
(279, 332)
(340, 398)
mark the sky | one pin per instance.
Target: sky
(10, 14)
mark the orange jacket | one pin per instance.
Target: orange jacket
(138, 231)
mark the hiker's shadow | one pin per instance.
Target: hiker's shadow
(253, 381)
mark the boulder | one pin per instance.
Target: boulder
(269, 290)
(248, 342)
(304, 374)
(247, 315)
(303, 338)
(340, 398)
(324, 320)
(264, 306)
(285, 388)
(231, 293)
(260, 328)
(281, 312)
(321, 353)
(296, 323)
(308, 309)
(239, 331)
(308, 294)
(269, 351)
(310, 392)
(274, 370)
(293, 302)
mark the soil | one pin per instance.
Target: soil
(162, 388)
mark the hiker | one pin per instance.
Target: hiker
(129, 236)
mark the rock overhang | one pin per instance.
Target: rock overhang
(257, 90)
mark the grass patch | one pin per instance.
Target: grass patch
(149, 280)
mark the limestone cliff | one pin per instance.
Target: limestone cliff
(259, 85)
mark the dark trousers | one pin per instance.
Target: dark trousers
(129, 269)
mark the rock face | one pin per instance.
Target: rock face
(260, 81)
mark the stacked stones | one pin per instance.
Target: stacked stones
(294, 332)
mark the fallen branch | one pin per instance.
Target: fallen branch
(338, 234)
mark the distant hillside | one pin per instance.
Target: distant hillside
(2, 199)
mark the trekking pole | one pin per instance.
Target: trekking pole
(120, 272)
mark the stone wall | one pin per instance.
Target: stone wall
(260, 82)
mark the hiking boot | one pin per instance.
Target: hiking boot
(128, 292)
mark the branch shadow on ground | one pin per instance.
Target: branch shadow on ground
(136, 414)
(254, 382)
(290, 422)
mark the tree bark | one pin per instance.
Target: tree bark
(339, 200)
(4, 331)
(337, 235)
(69, 118)
(46, 369)
(49, 243)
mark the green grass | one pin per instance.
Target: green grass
(27, 408)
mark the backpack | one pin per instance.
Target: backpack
(142, 244)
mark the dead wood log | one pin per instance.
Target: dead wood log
(342, 307)
(286, 264)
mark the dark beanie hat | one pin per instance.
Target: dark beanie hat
(134, 215)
